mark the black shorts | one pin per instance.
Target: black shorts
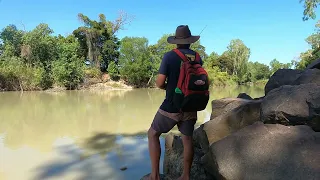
(163, 122)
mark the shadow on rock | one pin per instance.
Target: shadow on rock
(266, 151)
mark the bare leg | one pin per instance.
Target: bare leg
(187, 157)
(155, 152)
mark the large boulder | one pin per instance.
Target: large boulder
(232, 121)
(222, 106)
(314, 65)
(308, 76)
(173, 160)
(266, 151)
(225, 124)
(293, 105)
(282, 77)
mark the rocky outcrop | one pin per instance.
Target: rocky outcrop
(208, 133)
(173, 160)
(271, 137)
(292, 77)
(293, 105)
(314, 65)
(223, 125)
(282, 77)
(266, 151)
(222, 106)
(308, 76)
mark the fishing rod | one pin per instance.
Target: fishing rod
(203, 29)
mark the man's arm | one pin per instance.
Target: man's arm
(161, 81)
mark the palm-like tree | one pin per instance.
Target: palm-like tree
(97, 33)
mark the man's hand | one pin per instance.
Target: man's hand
(161, 81)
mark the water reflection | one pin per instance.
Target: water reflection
(82, 135)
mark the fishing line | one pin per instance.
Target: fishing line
(203, 29)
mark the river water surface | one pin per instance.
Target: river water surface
(83, 135)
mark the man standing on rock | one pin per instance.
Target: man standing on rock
(168, 115)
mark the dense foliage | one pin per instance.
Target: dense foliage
(37, 60)
(309, 9)
(313, 53)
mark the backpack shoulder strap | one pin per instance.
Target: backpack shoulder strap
(197, 57)
(184, 58)
(181, 55)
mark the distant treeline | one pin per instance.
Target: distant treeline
(38, 60)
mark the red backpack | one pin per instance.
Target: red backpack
(192, 91)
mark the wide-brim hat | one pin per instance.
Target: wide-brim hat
(182, 36)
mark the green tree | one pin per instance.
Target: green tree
(257, 71)
(308, 57)
(218, 78)
(309, 9)
(16, 75)
(98, 40)
(80, 34)
(200, 49)
(135, 64)
(155, 55)
(276, 65)
(68, 70)
(239, 54)
(162, 46)
(211, 60)
(225, 63)
(262, 71)
(312, 54)
(94, 34)
(155, 59)
(39, 47)
(314, 39)
(110, 51)
(113, 71)
(12, 39)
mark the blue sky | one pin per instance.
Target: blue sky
(271, 29)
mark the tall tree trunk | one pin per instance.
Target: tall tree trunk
(89, 44)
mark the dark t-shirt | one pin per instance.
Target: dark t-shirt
(170, 66)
